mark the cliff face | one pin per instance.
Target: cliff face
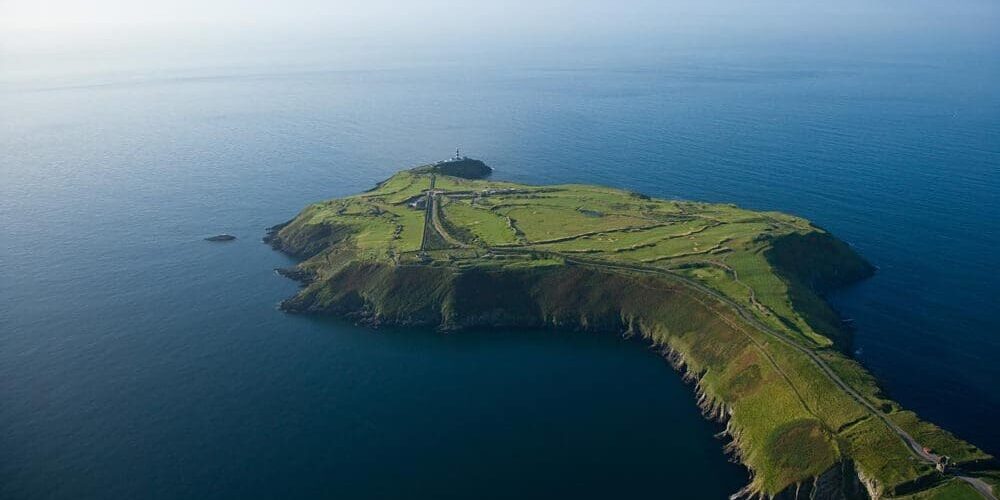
(566, 297)
(685, 325)
(840, 482)
(814, 264)
(817, 261)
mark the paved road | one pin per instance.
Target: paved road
(432, 219)
(436, 221)
(427, 212)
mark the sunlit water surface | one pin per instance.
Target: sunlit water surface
(138, 361)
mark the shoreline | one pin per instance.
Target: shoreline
(463, 282)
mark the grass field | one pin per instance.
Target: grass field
(736, 295)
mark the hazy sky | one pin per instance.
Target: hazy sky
(26, 20)
(171, 33)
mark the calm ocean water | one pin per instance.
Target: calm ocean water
(137, 360)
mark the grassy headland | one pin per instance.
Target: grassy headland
(731, 297)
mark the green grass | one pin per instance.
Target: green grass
(399, 188)
(953, 489)
(941, 441)
(800, 447)
(507, 257)
(488, 227)
(543, 222)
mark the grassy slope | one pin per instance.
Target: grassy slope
(948, 490)
(789, 422)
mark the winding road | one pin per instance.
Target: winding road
(984, 489)
(915, 447)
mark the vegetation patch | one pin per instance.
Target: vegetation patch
(800, 450)
(733, 298)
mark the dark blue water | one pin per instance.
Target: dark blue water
(138, 361)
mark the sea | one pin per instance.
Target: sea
(139, 361)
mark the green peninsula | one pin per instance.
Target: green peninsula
(731, 297)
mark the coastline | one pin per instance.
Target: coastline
(437, 292)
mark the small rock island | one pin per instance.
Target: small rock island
(732, 298)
